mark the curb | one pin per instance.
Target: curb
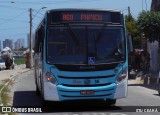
(6, 84)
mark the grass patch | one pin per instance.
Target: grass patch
(5, 97)
(19, 61)
(5, 81)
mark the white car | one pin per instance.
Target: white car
(2, 64)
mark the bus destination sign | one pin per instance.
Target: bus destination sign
(83, 17)
(86, 16)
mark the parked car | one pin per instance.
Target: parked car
(2, 64)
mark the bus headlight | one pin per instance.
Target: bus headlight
(51, 78)
(122, 76)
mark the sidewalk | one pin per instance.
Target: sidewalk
(140, 78)
(148, 80)
(7, 74)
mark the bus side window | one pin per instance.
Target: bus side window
(41, 50)
(36, 44)
(42, 42)
(40, 38)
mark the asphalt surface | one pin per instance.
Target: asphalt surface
(139, 97)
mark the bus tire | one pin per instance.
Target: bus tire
(37, 91)
(159, 86)
(110, 101)
(45, 103)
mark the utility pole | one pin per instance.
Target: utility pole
(30, 47)
(129, 11)
(129, 14)
(146, 4)
(142, 5)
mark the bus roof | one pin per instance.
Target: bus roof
(78, 9)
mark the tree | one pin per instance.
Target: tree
(132, 29)
(149, 23)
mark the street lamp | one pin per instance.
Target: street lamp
(40, 10)
(30, 53)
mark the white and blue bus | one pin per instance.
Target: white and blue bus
(81, 54)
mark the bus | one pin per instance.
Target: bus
(81, 54)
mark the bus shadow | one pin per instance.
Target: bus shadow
(26, 98)
(30, 99)
(80, 106)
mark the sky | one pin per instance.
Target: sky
(14, 14)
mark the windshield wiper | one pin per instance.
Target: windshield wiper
(101, 32)
(99, 36)
(74, 36)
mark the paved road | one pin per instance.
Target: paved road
(24, 95)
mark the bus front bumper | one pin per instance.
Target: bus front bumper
(61, 93)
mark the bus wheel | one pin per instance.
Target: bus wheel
(48, 104)
(45, 103)
(159, 86)
(37, 91)
(110, 101)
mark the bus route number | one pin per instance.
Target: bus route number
(68, 17)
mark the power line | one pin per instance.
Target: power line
(50, 2)
(5, 1)
(40, 13)
(13, 18)
(13, 7)
(37, 12)
(37, 17)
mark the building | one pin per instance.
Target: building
(155, 6)
(8, 43)
(19, 44)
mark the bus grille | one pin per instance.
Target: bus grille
(91, 85)
(92, 77)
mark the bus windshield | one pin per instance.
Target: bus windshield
(75, 44)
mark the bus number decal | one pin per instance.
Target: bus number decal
(68, 17)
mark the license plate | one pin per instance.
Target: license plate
(87, 92)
